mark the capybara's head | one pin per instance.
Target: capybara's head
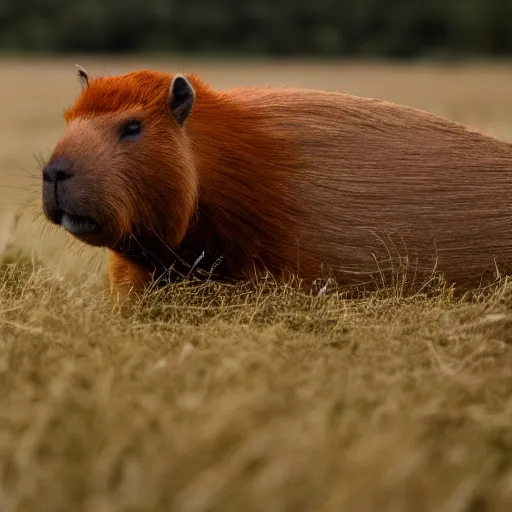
(123, 166)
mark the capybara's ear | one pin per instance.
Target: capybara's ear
(181, 98)
(83, 76)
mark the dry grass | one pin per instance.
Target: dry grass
(203, 398)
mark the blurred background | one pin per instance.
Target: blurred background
(450, 57)
(320, 28)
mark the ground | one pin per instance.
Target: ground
(220, 398)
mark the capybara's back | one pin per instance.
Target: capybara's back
(290, 181)
(385, 189)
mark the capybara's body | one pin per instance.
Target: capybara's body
(287, 181)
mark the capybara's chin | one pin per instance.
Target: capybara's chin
(74, 216)
(83, 227)
(79, 225)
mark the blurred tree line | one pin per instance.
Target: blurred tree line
(375, 28)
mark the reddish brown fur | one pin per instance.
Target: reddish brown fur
(287, 180)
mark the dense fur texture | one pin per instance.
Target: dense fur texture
(289, 181)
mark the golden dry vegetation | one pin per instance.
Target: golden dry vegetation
(242, 398)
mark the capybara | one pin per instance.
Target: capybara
(169, 173)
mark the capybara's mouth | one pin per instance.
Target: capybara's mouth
(78, 225)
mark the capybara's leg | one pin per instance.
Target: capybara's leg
(126, 275)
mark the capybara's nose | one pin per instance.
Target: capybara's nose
(57, 170)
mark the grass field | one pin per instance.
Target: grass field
(242, 398)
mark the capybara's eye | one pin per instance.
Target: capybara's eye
(131, 128)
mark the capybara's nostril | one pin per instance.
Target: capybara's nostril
(58, 170)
